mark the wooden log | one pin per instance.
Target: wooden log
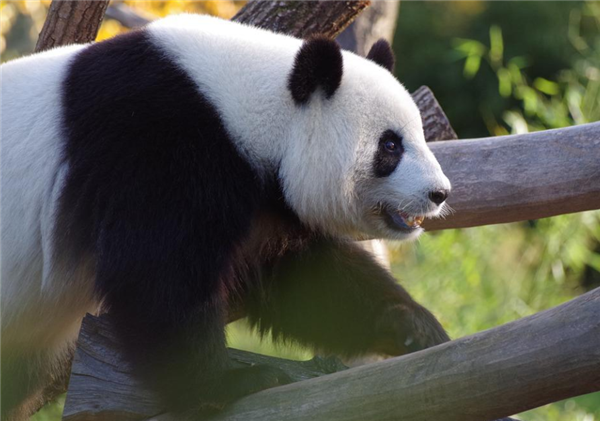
(543, 358)
(435, 122)
(520, 177)
(71, 22)
(301, 18)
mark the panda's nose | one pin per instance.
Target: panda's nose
(438, 196)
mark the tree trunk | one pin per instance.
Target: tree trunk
(71, 22)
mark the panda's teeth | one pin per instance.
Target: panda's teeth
(412, 221)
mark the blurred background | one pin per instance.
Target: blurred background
(496, 68)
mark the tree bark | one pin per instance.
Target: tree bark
(301, 18)
(543, 358)
(435, 122)
(520, 177)
(71, 22)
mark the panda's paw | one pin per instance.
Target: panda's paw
(408, 328)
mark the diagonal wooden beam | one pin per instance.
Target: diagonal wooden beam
(543, 358)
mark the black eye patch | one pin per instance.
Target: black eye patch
(389, 153)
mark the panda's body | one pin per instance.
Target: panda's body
(175, 172)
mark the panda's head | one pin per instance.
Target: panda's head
(356, 162)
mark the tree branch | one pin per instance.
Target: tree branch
(71, 22)
(520, 177)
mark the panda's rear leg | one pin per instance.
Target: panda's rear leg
(29, 378)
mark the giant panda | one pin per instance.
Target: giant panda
(196, 166)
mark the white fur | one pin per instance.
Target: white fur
(40, 303)
(325, 149)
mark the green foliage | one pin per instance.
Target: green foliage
(469, 52)
(495, 274)
(573, 98)
(52, 411)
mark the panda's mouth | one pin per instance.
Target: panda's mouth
(407, 221)
(400, 220)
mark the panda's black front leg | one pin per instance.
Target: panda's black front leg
(165, 296)
(335, 297)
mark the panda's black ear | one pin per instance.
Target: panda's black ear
(318, 63)
(382, 54)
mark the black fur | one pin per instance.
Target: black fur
(382, 54)
(319, 63)
(181, 228)
(158, 193)
(333, 296)
(386, 161)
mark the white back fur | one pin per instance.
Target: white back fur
(38, 303)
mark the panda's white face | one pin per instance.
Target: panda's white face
(357, 163)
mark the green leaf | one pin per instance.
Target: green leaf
(496, 45)
(504, 82)
(472, 64)
(546, 86)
